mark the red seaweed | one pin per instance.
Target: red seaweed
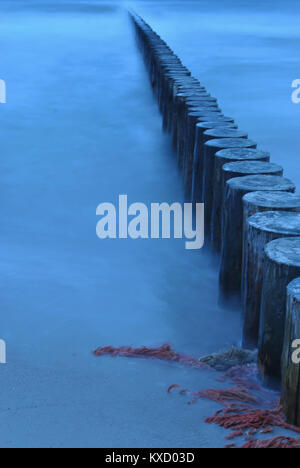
(234, 435)
(241, 413)
(164, 353)
(267, 430)
(227, 395)
(275, 443)
(254, 419)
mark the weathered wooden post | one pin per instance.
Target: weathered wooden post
(226, 156)
(260, 229)
(179, 117)
(291, 355)
(174, 108)
(186, 127)
(167, 97)
(167, 75)
(180, 120)
(160, 62)
(281, 266)
(168, 80)
(194, 105)
(190, 122)
(201, 127)
(200, 163)
(217, 132)
(229, 171)
(232, 227)
(182, 109)
(211, 147)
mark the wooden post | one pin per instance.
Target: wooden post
(166, 97)
(201, 127)
(211, 147)
(232, 227)
(178, 111)
(281, 266)
(290, 357)
(260, 229)
(186, 127)
(217, 132)
(177, 100)
(183, 124)
(230, 170)
(166, 79)
(179, 125)
(223, 157)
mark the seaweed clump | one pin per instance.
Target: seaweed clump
(249, 409)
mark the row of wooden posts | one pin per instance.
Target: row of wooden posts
(252, 214)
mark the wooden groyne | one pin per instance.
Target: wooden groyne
(252, 214)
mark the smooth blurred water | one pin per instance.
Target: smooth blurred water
(81, 127)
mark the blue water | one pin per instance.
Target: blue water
(79, 128)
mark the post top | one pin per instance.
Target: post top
(190, 94)
(213, 117)
(279, 222)
(203, 104)
(253, 183)
(242, 153)
(226, 132)
(273, 199)
(230, 143)
(215, 123)
(200, 98)
(284, 251)
(252, 167)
